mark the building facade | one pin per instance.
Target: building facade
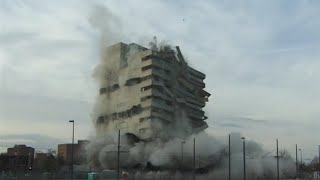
(65, 152)
(151, 93)
(17, 158)
(21, 150)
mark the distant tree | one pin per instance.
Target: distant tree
(287, 164)
(314, 161)
(51, 152)
(47, 162)
(50, 163)
(312, 166)
(284, 154)
(60, 162)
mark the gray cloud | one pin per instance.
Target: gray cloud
(29, 113)
(38, 141)
(260, 58)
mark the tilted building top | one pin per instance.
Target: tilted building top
(150, 93)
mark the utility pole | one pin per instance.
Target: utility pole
(15, 162)
(319, 154)
(244, 158)
(229, 158)
(72, 148)
(118, 160)
(194, 158)
(29, 161)
(182, 142)
(278, 177)
(297, 167)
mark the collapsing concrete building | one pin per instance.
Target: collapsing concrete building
(149, 93)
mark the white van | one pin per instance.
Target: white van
(105, 175)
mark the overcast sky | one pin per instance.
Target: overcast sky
(261, 58)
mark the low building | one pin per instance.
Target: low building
(65, 152)
(14, 163)
(21, 150)
(40, 159)
(17, 158)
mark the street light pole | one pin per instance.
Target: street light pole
(118, 157)
(229, 158)
(194, 158)
(72, 121)
(244, 158)
(278, 176)
(297, 167)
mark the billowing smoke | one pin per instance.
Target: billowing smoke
(159, 154)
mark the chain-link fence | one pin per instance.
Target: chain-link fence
(131, 176)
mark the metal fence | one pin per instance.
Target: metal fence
(132, 176)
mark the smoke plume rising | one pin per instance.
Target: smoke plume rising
(165, 155)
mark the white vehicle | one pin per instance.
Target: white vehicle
(316, 175)
(107, 175)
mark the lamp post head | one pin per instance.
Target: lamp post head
(243, 138)
(71, 121)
